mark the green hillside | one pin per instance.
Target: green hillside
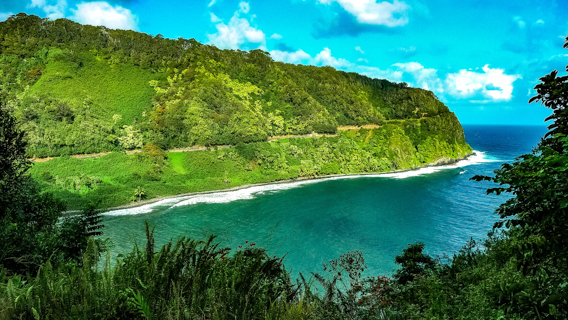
(113, 89)
(79, 89)
(62, 78)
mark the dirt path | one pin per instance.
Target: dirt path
(367, 126)
(201, 148)
(310, 135)
(194, 148)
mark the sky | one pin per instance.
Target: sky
(481, 58)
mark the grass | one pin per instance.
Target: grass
(111, 180)
(112, 89)
(176, 162)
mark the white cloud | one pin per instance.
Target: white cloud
(5, 15)
(492, 84)
(324, 58)
(374, 72)
(53, 9)
(291, 57)
(237, 32)
(358, 48)
(362, 60)
(539, 22)
(214, 18)
(276, 36)
(244, 7)
(100, 13)
(520, 22)
(407, 50)
(425, 78)
(211, 3)
(37, 4)
(481, 86)
(370, 12)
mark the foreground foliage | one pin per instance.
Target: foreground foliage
(521, 271)
(187, 279)
(30, 233)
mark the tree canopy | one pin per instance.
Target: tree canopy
(82, 89)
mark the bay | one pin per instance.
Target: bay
(312, 222)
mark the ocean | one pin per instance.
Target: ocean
(311, 222)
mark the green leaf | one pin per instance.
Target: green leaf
(36, 314)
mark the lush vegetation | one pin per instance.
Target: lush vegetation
(30, 233)
(521, 271)
(54, 270)
(78, 89)
(112, 180)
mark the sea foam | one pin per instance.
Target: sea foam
(245, 193)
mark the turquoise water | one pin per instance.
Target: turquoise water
(312, 222)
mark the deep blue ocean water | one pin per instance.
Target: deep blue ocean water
(312, 222)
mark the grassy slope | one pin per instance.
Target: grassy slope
(111, 180)
(112, 89)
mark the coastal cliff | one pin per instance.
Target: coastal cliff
(78, 89)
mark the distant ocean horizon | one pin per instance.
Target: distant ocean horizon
(312, 222)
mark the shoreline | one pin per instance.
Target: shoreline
(438, 163)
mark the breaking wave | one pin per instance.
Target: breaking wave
(245, 193)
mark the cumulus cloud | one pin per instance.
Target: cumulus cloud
(53, 9)
(520, 22)
(493, 84)
(276, 36)
(407, 50)
(100, 13)
(298, 57)
(358, 48)
(425, 78)
(324, 58)
(244, 7)
(370, 12)
(5, 15)
(374, 72)
(214, 18)
(37, 4)
(237, 33)
(487, 85)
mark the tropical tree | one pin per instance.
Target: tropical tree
(13, 162)
(30, 233)
(537, 215)
(139, 193)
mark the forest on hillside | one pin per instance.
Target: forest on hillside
(78, 89)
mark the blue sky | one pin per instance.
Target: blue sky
(482, 58)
